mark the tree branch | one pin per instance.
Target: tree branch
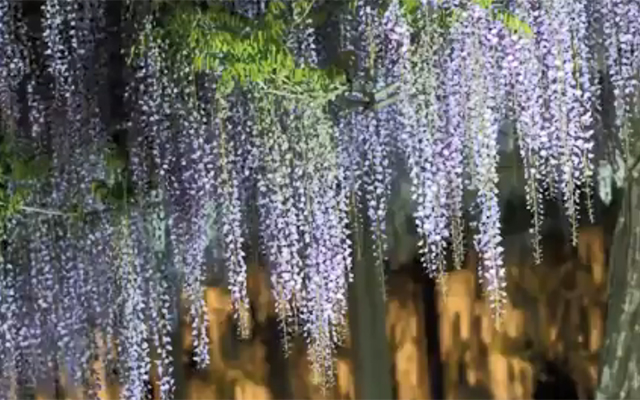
(47, 211)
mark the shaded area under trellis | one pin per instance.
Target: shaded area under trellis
(555, 383)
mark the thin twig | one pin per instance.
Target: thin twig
(386, 102)
(304, 15)
(47, 211)
(383, 93)
(57, 213)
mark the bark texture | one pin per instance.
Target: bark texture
(620, 355)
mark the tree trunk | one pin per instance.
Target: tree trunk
(370, 347)
(620, 355)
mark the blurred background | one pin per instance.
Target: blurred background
(441, 339)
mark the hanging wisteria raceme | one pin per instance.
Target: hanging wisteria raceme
(301, 38)
(377, 182)
(489, 92)
(189, 198)
(13, 63)
(10, 326)
(149, 158)
(554, 111)
(280, 220)
(327, 250)
(58, 16)
(529, 104)
(161, 290)
(146, 92)
(388, 49)
(59, 337)
(229, 181)
(171, 140)
(620, 32)
(568, 125)
(242, 122)
(349, 141)
(586, 98)
(133, 351)
(424, 139)
(44, 285)
(120, 212)
(371, 131)
(456, 91)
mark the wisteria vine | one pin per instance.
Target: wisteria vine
(101, 249)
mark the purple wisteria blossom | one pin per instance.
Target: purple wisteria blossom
(111, 239)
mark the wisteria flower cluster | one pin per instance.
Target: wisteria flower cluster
(115, 238)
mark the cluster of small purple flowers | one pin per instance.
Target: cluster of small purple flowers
(288, 177)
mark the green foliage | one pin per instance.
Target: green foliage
(117, 194)
(513, 23)
(416, 16)
(18, 167)
(245, 51)
(11, 203)
(16, 170)
(19, 171)
(117, 190)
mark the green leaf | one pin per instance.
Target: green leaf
(319, 18)
(20, 171)
(100, 190)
